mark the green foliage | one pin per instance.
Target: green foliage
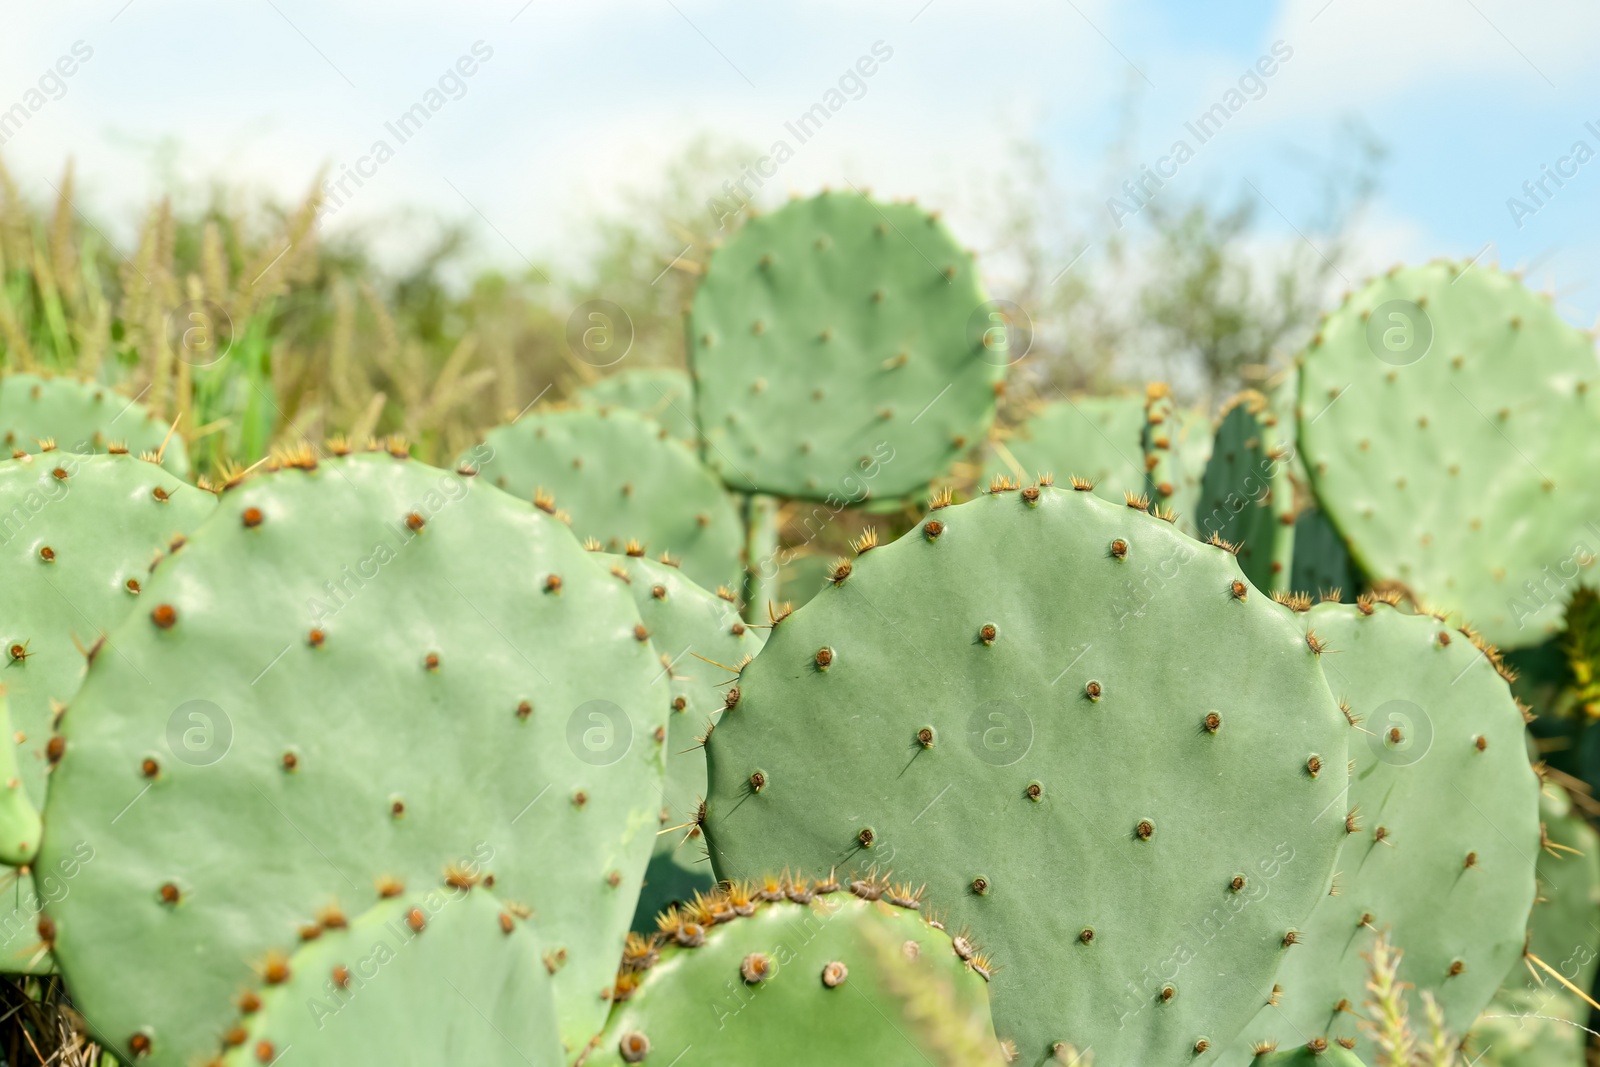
(358, 673)
(1064, 656)
(838, 336)
(787, 971)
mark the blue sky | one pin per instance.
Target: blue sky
(579, 101)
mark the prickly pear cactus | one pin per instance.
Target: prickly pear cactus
(81, 417)
(702, 642)
(621, 478)
(662, 394)
(445, 974)
(1448, 426)
(1192, 442)
(1441, 823)
(1321, 562)
(78, 536)
(1158, 439)
(356, 673)
(19, 818)
(1246, 498)
(1087, 735)
(1092, 438)
(802, 972)
(838, 341)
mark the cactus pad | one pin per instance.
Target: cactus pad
(439, 975)
(1448, 426)
(686, 623)
(355, 674)
(663, 394)
(1093, 438)
(81, 417)
(1321, 562)
(1441, 825)
(1245, 497)
(1135, 745)
(1307, 1056)
(836, 338)
(621, 478)
(748, 976)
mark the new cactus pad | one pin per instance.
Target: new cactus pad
(1441, 827)
(81, 417)
(662, 394)
(1323, 1055)
(1088, 737)
(439, 974)
(1092, 438)
(805, 973)
(702, 642)
(1245, 497)
(621, 478)
(838, 336)
(357, 673)
(1448, 420)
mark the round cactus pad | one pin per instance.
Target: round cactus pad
(1085, 733)
(702, 643)
(663, 394)
(357, 673)
(838, 341)
(81, 417)
(438, 975)
(1441, 825)
(621, 478)
(1448, 423)
(834, 980)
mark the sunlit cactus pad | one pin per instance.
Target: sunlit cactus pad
(1087, 735)
(1448, 423)
(663, 394)
(839, 336)
(701, 641)
(81, 417)
(445, 974)
(621, 478)
(358, 672)
(1441, 825)
(840, 971)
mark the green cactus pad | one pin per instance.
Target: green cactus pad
(1449, 429)
(445, 975)
(1321, 562)
(1094, 438)
(621, 478)
(662, 394)
(19, 818)
(837, 980)
(78, 535)
(1439, 852)
(1192, 444)
(1082, 730)
(351, 677)
(839, 341)
(1245, 497)
(81, 417)
(686, 623)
